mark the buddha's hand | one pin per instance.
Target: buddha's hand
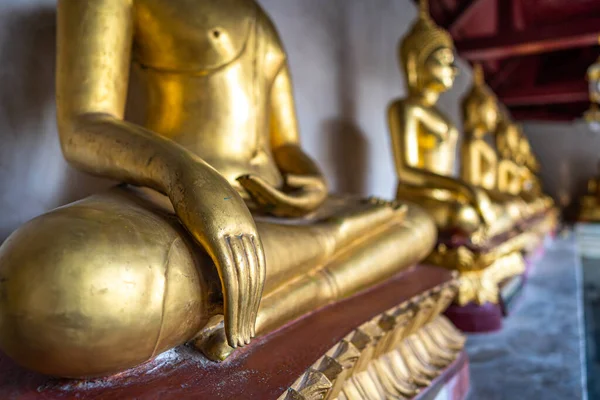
(484, 207)
(301, 194)
(215, 214)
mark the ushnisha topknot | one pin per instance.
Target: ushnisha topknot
(423, 38)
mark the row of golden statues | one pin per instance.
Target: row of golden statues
(224, 227)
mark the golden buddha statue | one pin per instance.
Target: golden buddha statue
(424, 140)
(224, 214)
(424, 144)
(589, 207)
(479, 160)
(518, 169)
(480, 117)
(508, 142)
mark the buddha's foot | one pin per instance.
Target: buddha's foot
(212, 341)
(382, 359)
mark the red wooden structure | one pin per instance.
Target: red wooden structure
(535, 53)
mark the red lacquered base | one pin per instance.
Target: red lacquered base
(473, 318)
(453, 384)
(262, 370)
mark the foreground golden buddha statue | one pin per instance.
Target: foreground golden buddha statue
(424, 140)
(227, 215)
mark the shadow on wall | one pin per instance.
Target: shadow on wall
(347, 144)
(568, 153)
(349, 151)
(33, 174)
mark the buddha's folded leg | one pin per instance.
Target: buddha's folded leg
(361, 265)
(100, 286)
(109, 282)
(448, 213)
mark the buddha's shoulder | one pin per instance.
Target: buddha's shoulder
(407, 105)
(201, 34)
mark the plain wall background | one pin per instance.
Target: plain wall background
(345, 70)
(569, 153)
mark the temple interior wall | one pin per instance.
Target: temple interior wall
(569, 153)
(344, 65)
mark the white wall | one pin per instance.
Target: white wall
(345, 70)
(569, 154)
(343, 56)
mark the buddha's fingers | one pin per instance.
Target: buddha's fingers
(226, 265)
(243, 280)
(256, 282)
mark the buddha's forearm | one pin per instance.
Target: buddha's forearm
(425, 178)
(291, 159)
(103, 145)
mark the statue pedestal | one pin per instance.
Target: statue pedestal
(297, 361)
(475, 318)
(454, 384)
(492, 275)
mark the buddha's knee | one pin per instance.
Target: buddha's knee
(88, 291)
(465, 218)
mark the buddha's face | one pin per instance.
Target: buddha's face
(439, 70)
(489, 115)
(512, 137)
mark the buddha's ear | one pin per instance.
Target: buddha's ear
(411, 71)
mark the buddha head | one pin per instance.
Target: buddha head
(427, 55)
(480, 107)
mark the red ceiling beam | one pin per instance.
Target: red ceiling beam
(556, 93)
(462, 14)
(543, 115)
(579, 33)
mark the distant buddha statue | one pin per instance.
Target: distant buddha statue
(590, 202)
(479, 159)
(424, 140)
(517, 171)
(507, 142)
(222, 212)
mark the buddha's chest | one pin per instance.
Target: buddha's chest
(192, 35)
(432, 125)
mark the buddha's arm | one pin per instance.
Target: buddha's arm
(592, 186)
(403, 129)
(305, 188)
(469, 167)
(94, 45)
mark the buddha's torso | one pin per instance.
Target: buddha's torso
(476, 150)
(425, 151)
(207, 67)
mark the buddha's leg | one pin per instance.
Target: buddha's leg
(380, 253)
(293, 249)
(448, 212)
(107, 283)
(100, 286)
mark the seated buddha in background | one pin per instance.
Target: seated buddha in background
(589, 207)
(479, 160)
(515, 176)
(531, 184)
(424, 140)
(507, 139)
(221, 212)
